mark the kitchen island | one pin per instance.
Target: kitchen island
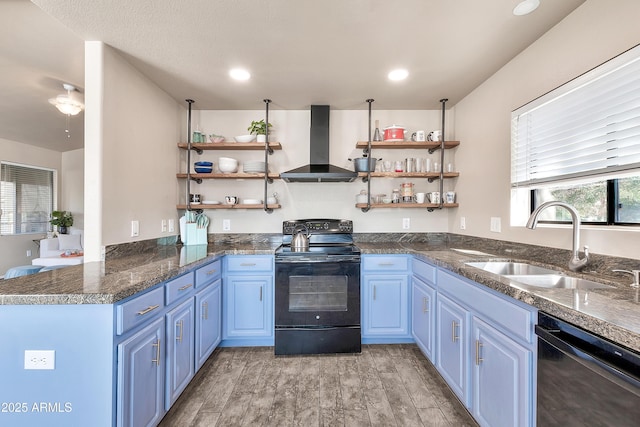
(76, 306)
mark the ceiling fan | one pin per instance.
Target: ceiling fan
(68, 103)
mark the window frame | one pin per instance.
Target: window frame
(53, 201)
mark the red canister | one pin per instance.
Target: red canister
(394, 133)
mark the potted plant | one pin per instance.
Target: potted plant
(259, 128)
(62, 219)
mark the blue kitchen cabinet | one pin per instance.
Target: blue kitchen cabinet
(248, 301)
(452, 344)
(208, 321)
(423, 307)
(502, 386)
(180, 350)
(385, 299)
(141, 377)
(496, 345)
(423, 316)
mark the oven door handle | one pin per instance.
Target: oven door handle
(588, 361)
(315, 328)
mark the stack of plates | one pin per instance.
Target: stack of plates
(254, 167)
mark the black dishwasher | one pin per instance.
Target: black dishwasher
(583, 379)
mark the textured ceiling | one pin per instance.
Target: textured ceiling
(303, 52)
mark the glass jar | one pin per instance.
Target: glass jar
(395, 196)
(406, 192)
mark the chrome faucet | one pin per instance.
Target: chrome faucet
(635, 274)
(576, 263)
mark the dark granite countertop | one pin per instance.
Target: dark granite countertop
(613, 313)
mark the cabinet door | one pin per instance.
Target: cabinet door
(208, 321)
(423, 316)
(452, 339)
(501, 378)
(386, 306)
(141, 377)
(249, 306)
(180, 349)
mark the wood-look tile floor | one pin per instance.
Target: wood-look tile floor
(385, 385)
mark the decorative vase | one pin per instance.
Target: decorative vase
(62, 229)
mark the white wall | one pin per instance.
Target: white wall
(131, 133)
(72, 185)
(595, 32)
(314, 200)
(13, 249)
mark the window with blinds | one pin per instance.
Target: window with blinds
(589, 127)
(27, 196)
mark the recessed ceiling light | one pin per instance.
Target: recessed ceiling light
(239, 74)
(525, 7)
(399, 74)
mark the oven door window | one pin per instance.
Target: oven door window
(318, 293)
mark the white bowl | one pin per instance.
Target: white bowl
(251, 202)
(244, 138)
(227, 164)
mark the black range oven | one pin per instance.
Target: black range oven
(317, 290)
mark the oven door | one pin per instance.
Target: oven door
(317, 294)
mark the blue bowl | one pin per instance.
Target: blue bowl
(203, 164)
(203, 169)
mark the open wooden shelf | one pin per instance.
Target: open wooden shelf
(237, 175)
(430, 175)
(406, 205)
(223, 206)
(231, 146)
(432, 145)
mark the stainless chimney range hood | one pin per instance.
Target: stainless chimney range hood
(319, 169)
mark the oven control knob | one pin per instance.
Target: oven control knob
(317, 317)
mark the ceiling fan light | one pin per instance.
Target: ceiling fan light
(398, 74)
(525, 7)
(66, 105)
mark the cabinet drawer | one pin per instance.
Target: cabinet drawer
(508, 315)
(179, 287)
(423, 270)
(385, 263)
(249, 263)
(138, 310)
(208, 273)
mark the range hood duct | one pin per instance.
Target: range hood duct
(319, 169)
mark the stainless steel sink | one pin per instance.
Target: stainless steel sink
(554, 281)
(511, 268)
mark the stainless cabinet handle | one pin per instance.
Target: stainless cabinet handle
(425, 305)
(374, 292)
(185, 287)
(385, 264)
(454, 326)
(247, 264)
(260, 293)
(478, 349)
(205, 310)
(157, 359)
(210, 272)
(180, 324)
(147, 310)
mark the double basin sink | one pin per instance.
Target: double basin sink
(525, 275)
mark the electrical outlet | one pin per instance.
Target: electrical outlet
(496, 224)
(406, 223)
(163, 226)
(28, 252)
(463, 223)
(226, 225)
(172, 226)
(135, 228)
(39, 359)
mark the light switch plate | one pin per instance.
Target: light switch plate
(226, 225)
(496, 224)
(406, 223)
(172, 226)
(135, 228)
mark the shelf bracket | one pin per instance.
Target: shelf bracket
(430, 180)
(197, 150)
(365, 210)
(432, 150)
(197, 180)
(430, 209)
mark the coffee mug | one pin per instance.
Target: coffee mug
(420, 135)
(450, 196)
(434, 197)
(195, 198)
(420, 197)
(231, 200)
(434, 135)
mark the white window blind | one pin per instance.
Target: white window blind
(27, 197)
(587, 127)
